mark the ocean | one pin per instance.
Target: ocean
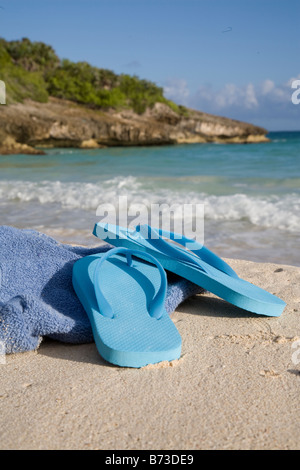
(251, 193)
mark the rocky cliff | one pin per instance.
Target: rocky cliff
(30, 126)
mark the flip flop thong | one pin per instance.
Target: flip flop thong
(197, 264)
(124, 300)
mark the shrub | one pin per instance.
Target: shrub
(33, 70)
(20, 83)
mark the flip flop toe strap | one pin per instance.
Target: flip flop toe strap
(156, 307)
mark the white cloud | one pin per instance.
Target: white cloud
(267, 86)
(230, 96)
(177, 90)
(250, 97)
(267, 104)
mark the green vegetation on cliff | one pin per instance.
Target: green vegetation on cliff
(33, 70)
(21, 82)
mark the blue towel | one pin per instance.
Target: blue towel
(36, 294)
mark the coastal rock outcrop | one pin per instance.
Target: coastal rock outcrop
(31, 126)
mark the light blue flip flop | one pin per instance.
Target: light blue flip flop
(124, 299)
(199, 265)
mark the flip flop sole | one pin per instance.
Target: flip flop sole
(132, 338)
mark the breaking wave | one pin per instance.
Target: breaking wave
(280, 212)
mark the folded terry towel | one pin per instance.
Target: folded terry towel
(36, 293)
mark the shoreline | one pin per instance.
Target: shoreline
(235, 386)
(11, 147)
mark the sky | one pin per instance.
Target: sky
(235, 58)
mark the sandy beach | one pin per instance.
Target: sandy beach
(236, 385)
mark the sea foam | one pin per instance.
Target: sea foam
(280, 212)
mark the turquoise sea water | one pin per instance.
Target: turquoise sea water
(251, 193)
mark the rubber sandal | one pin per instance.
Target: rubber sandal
(124, 300)
(199, 265)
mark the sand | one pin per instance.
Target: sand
(236, 385)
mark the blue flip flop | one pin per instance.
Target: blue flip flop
(124, 298)
(197, 264)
